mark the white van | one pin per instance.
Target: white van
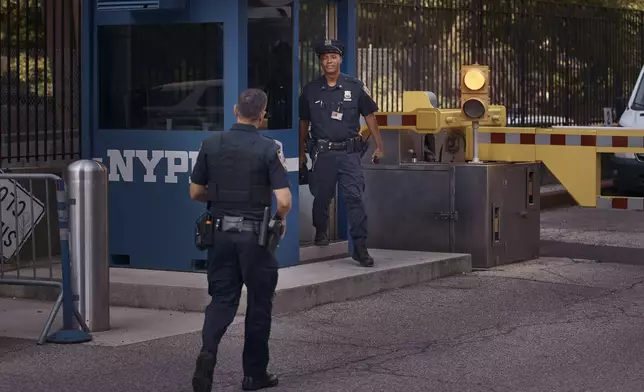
(628, 168)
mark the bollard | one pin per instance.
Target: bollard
(87, 181)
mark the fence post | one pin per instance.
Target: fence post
(69, 333)
(89, 241)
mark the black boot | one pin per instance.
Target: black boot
(321, 239)
(361, 255)
(257, 383)
(202, 378)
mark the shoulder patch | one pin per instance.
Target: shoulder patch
(280, 155)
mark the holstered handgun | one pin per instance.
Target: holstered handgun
(313, 149)
(275, 228)
(270, 231)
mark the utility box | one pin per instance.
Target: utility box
(488, 210)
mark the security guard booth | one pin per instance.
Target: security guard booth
(159, 75)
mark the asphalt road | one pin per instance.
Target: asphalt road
(614, 236)
(550, 325)
(561, 324)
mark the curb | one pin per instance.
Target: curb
(561, 198)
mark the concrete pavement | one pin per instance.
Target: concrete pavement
(545, 325)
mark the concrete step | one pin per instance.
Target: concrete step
(310, 253)
(299, 288)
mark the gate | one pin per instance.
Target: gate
(39, 82)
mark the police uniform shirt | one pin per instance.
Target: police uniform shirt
(273, 158)
(334, 112)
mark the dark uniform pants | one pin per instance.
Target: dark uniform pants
(345, 169)
(237, 259)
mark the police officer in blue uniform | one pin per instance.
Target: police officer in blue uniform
(332, 105)
(236, 172)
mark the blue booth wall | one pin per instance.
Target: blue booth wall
(151, 215)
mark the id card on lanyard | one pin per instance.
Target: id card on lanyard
(337, 113)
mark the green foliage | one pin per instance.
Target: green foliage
(22, 23)
(32, 73)
(22, 31)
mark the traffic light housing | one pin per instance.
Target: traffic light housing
(475, 92)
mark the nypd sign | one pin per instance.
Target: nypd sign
(121, 164)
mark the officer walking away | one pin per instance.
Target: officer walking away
(332, 105)
(235, 172)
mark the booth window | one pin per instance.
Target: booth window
(161, 77)
(270, 60)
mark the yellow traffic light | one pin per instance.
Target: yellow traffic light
(475, 92)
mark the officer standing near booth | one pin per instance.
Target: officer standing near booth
(235, 172)
(332, 105)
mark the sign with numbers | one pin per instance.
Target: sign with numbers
(20, 212)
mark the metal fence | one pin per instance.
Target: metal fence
(39, 81)
(551, 63)
(313, 19)
(34, 247)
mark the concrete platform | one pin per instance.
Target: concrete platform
(335, 250)
(301, 287)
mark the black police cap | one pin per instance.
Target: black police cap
(329, 46)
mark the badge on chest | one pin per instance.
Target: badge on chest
(347, 95)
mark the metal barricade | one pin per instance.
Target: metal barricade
(21, 216)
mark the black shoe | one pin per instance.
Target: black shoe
(202, 378)
(321, 238)
(254, 383)
(361, 255)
